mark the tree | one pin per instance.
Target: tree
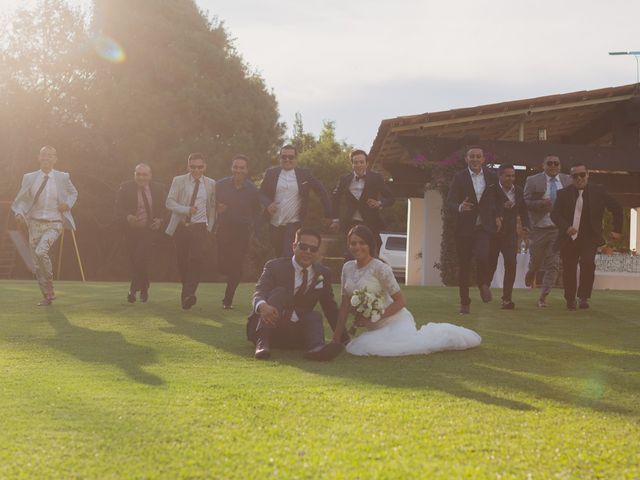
(144, 81)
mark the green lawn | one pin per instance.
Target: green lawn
(96, 388)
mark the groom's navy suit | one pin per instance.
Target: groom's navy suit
(276, 287)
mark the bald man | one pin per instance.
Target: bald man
(140, 211)
(43, 207)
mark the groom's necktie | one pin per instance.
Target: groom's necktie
(303, 286)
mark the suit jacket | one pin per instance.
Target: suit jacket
(374, 188)
(596, 199)
(306, 182)
(488, 208)
(534, 190)
(279, 272)
(67, 193)
(509, 215)
(180, 196)
(127, 201)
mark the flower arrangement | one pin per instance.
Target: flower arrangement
(366, 304)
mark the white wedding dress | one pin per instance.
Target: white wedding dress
(397, 335)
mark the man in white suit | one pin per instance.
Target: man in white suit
(43, 208)
(192, 202)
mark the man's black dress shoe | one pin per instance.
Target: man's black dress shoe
(131, 297)
(571, 305)
(262, 346)
(508, 305)
(583, 303)
(485, 293)
(325, 354)
(189, 302)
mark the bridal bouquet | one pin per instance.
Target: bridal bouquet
(366, 304)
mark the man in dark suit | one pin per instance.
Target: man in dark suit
(239, 212)
(140, 210)
(505, 240)
(578, 213)
(364, 193)
(472, 199)
(285, 195)
(284, 300)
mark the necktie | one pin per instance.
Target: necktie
(39, 192)
(577, 213)
(147, 207)
(303, 286)
(553, 190)
(193, 198)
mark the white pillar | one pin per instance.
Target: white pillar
(415, 233)
(432, 238)
(634, 230)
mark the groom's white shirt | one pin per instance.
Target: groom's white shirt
(58, 190)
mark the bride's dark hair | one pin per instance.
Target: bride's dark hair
(367, 235)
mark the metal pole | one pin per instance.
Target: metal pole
(60, 255)
(75, 244)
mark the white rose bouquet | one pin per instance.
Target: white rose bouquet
(366, 305)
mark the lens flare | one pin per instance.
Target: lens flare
(109, 49)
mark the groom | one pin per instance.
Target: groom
(284, 300)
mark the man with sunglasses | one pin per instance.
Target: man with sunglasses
(540, 193)
(285, 297)
(192, 202)
(285, 194)
(578, 213)
(472, 198)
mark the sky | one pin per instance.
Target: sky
(357, 62)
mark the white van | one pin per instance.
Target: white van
(394, 252)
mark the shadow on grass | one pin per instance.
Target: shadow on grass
(94, 346)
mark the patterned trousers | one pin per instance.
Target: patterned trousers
(42, 236)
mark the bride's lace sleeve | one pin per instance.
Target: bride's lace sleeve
(386, 278)
(343, 279)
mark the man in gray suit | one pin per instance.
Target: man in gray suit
(43, 208)
(540, 192)
(192, 202)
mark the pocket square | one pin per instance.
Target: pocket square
(319, 285)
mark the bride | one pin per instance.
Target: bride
(395, 333)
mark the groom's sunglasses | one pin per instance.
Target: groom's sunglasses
(305, 247)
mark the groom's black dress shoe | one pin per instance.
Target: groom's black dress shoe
(327, 353)
(131, 297)
(262, 346)
(508, 305)
(583, 303)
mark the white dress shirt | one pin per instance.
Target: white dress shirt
(356, 187)
(479, 183)
(511, 194)
(46, 208)
(287, 199)
(201, 201)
